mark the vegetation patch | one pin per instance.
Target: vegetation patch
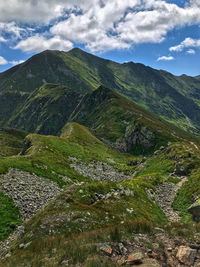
(9, 216)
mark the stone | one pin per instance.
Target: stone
(106, 249)
(186, 255)
(159, 230)
(194, 209)
(21, 230)
(21, 245)
(135, 257)
(8, 255)
(122, 248)
(27, 244)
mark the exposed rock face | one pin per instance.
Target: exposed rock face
(194, 209)
(28, 191)
(98, 171)
(139, 135)
(136, 136)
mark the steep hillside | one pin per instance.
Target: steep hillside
(173, 98)
(45, 110)
(122, 124)
(46, 67)
(11, 141)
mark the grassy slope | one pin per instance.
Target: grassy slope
(47, 156)
(46, 110)
(9, 215)
(74, 223)
(11, 141)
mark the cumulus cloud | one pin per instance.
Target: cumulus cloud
(3, 61)
(33, 11)
(39, 43)
(164, 58)
(191, 52)
(100, 25)
(187, 43)
(130, 22)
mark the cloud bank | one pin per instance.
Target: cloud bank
(99, 25)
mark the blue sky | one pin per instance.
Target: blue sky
(163, 34)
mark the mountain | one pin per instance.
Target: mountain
(91, 178)
(175, 99)
(111, 117)
(122, 124)
(45, 110)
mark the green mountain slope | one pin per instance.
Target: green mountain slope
(173, 98)
(45, 110)
(11, 141)
(122, 124)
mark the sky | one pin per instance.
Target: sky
(163, 34)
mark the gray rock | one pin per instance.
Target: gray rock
(194, 209)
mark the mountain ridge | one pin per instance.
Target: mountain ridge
(173, 98)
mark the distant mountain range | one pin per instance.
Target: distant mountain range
(26, 96)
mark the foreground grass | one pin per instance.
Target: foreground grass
(9, 216)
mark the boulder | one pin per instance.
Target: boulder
(186, 255)
(135, 257)
(106, 249)
(194, 209)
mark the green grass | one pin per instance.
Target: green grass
(9, 216)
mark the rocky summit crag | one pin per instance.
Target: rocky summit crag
(91, 178)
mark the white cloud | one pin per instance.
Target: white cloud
(16, 62)
(39, 43)
(3, 61)
(100, 25)
(164, 58)
(12, 31)
(191, 52)
(187, 43)
(33, 11)
(2, 39)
